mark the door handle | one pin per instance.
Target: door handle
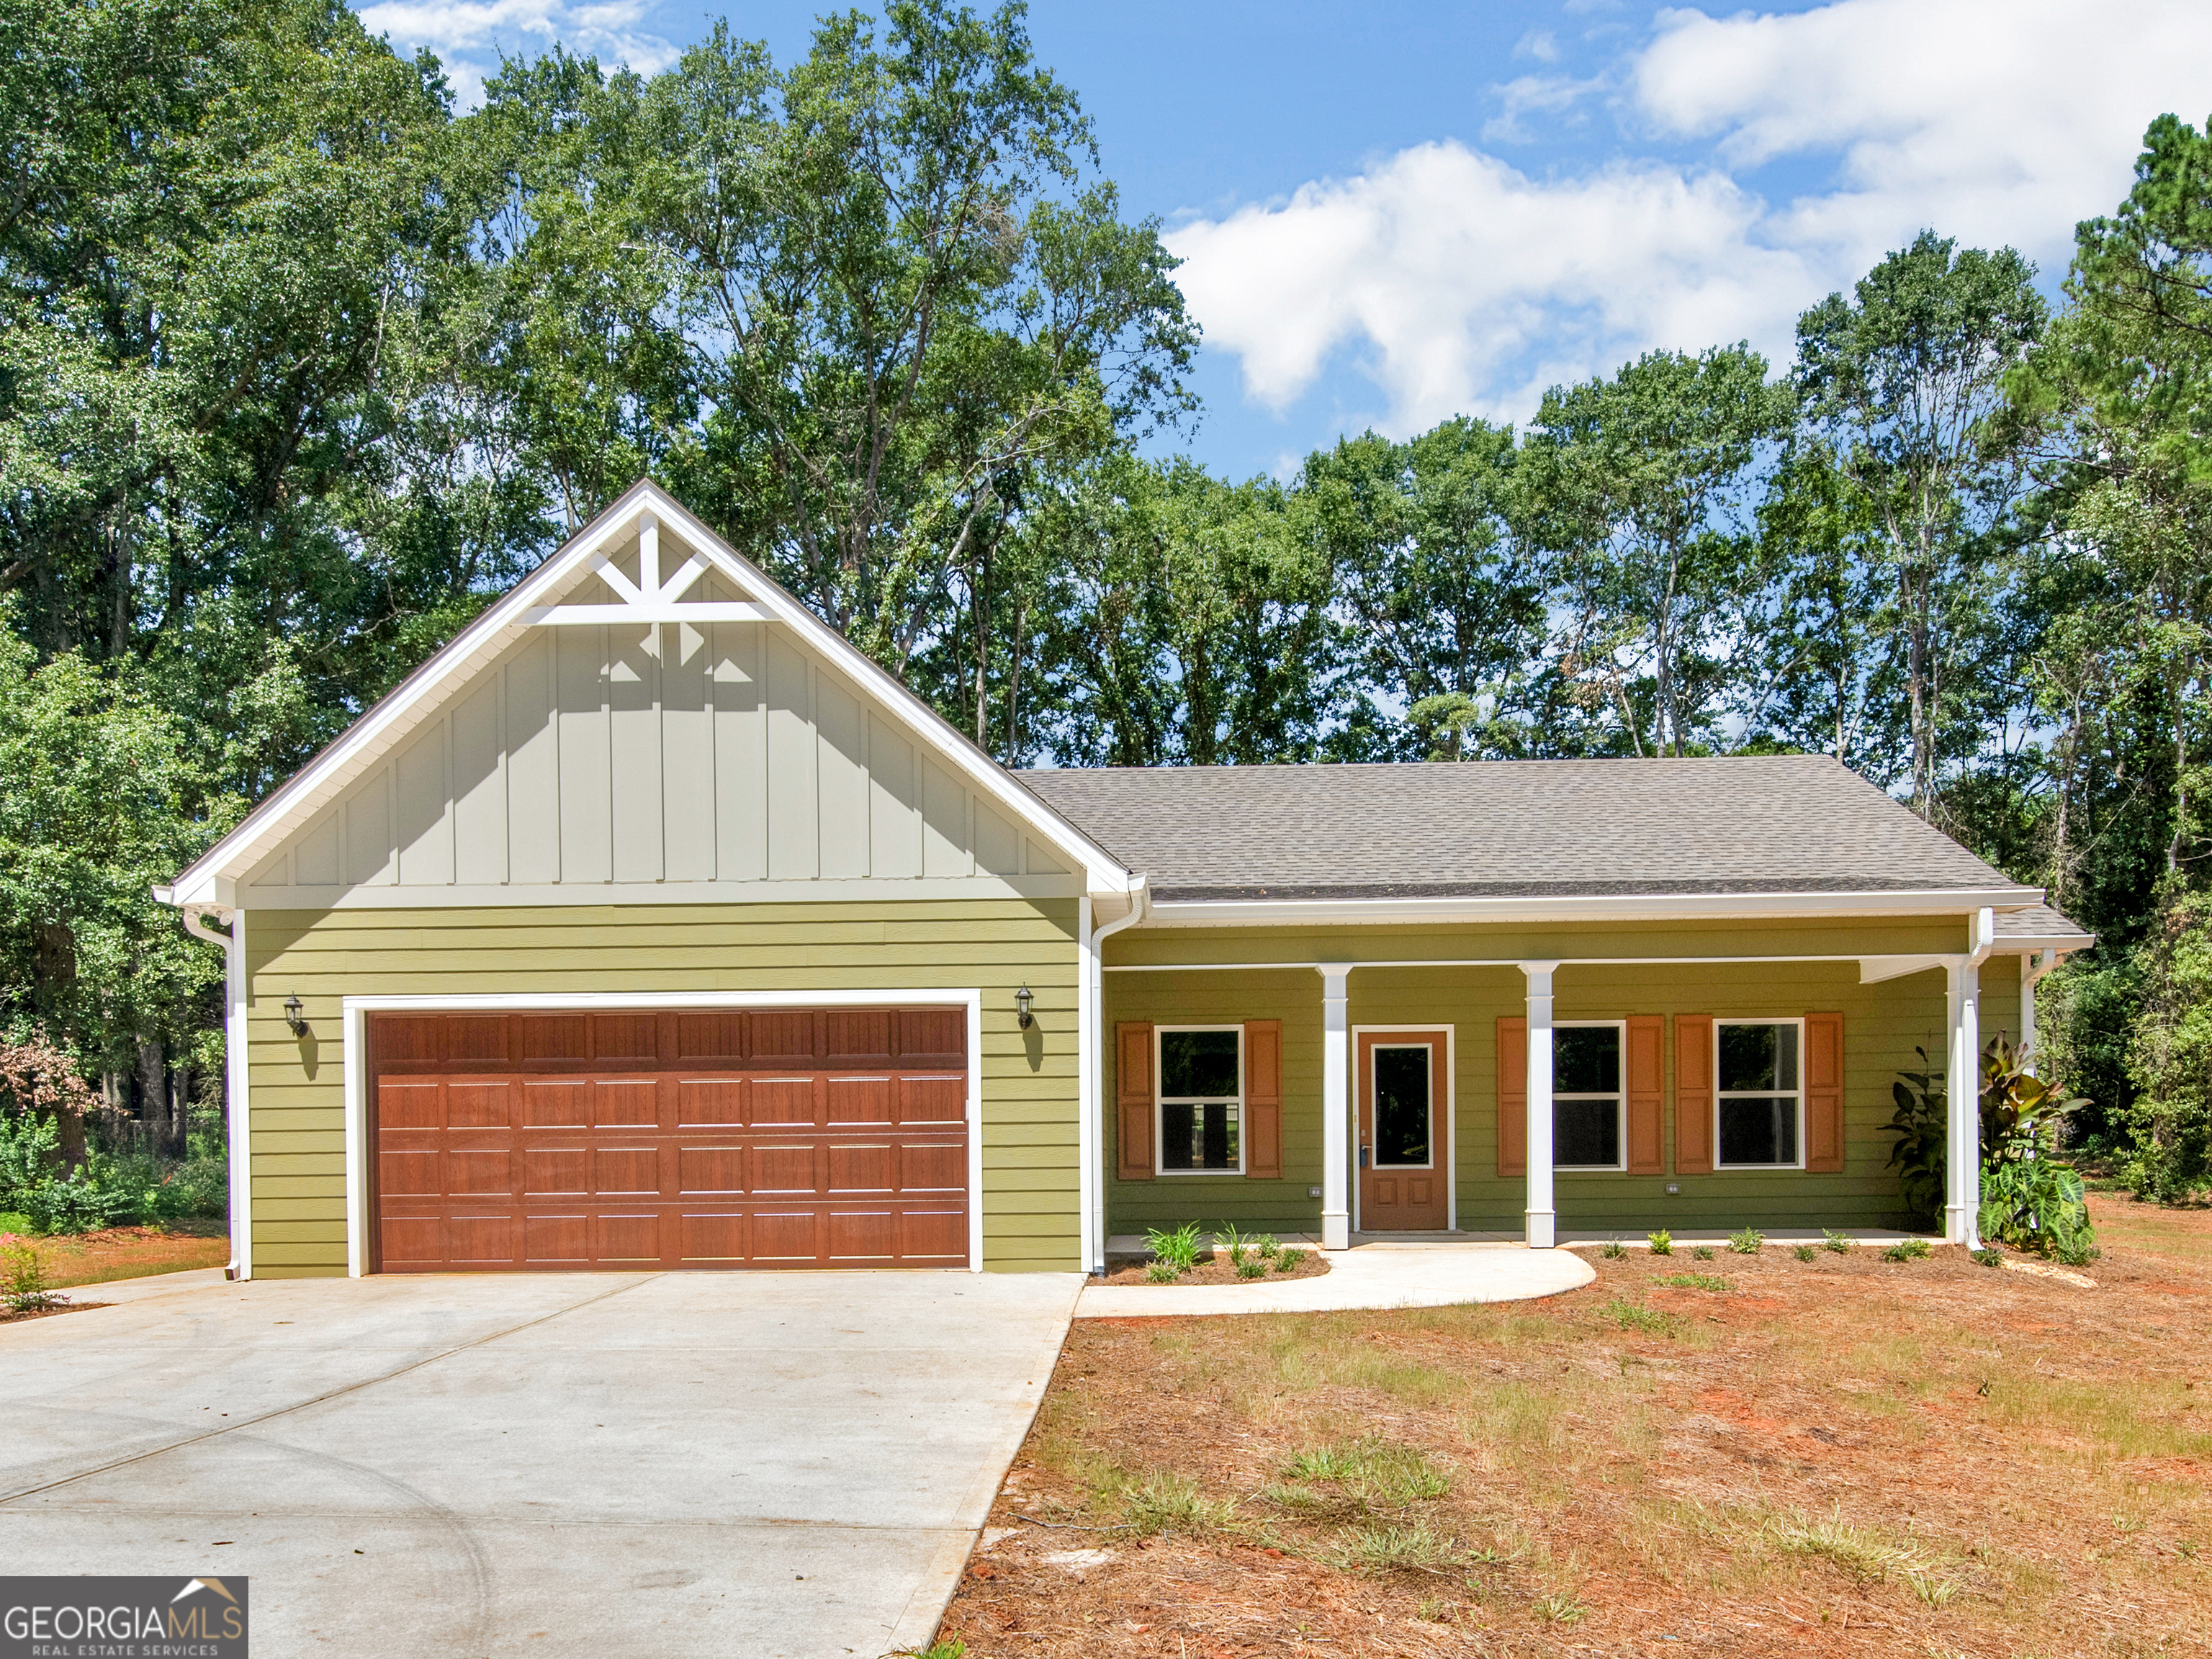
(1363, 1158)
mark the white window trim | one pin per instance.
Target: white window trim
(1376, 1048)
(353, 1016)
(1160, 1101)
(1619, 1029)
(1720, 1094)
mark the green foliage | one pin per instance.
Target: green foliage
(23, 1284)
(2169, 1122)
(1163, 1272)
(1661, 1243)
(29, 1149)
(1613, 1250)
(1266, 1247)
(1252, 1267)
(1920, 1153)
(1702, 1253)
(1636, 1316)
(1986, 1258)
(1840, 1243)
(1691, 1281)
(1806, 1253)
(1749, 1242)
(1177, 1248)
(1237, 1243)
(1908, 1249)
(1164, 1502)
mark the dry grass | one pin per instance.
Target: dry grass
(1848, 1456)
(116, 1253)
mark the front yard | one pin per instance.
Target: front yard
(114, 1253)
(1849, 1456)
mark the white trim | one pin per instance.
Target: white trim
(1338, 1188)
(1090, 1169)
(1541, 1216)
(1160, 1102)
(354, 1010)
(1720, 1094)
(1619, 1029)
(646, 505)
(1247, 912)
(639, 613)
(878, 889)
(238, 1073)
(1451, 1109)
(1507, 962)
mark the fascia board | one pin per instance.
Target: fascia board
(1654, 907)
(407, 704)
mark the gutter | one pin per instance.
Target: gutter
(239, 1148)
(1141, 905)
(1611, 907)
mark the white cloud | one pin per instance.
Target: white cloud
(468, 35)
(1460, 283)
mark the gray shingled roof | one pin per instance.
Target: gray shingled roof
(1791, 823)
(2038, 922)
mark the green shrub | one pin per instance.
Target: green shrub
(1661, 1243)
(1749, 1242)
(1833, 1240)
(1163, 1272)
(1910, 1249)
(1179, 1248)
(1922, 1128)
(2029, 1199)
(1267, 1246)
(1287, 1261)
(1613, 1249)
(1237, 1243)
(1806, 1253)
(1252, 1267)
(30, 1147)
(1988, 1258)
(23, 1287)
(2168, 1123)
(1702, 1253)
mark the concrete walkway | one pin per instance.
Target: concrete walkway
(1380, 1273)
(779, 1465)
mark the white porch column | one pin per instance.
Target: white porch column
(1962, 1087)
(1335, 1111)
(1541, 1220)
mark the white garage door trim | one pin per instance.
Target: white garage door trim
(356, 1012)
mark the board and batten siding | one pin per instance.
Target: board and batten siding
(1029, 1193)
(1883, 1024)
(626, 756)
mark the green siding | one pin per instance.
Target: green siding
(1028, 1078)
(1882, 1026)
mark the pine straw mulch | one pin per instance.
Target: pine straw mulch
(7, 1318)
(1215, 1270)
(1848, 1456)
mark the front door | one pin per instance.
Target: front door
(1401, 1131)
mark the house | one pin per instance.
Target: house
(650, 925)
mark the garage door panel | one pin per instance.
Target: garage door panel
(480, 1238)
(411, 1105)
(863, 1236)
(478, 1106)
(859, 1101)
(715, 1236)
(625, 1105)
(403, 1174)
(637, 1139)
(855, 1167)
(556, 1105)
(626, 1238)
(779, 1100)
(710, 1169)
(621, 1170)
(780, 1234)
(479, 1171)
(784, 1168)
(933, 1102)
(557, 1240)
(710, 1103)
(548, 1170)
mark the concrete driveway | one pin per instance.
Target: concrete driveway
(589, 1464)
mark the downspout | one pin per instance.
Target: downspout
(233, 941)
(1962, 1082)
(1140, 905)
(2037, 966)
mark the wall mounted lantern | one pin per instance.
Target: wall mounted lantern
(1022, 1001)
(295, 1015)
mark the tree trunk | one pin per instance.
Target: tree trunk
(154, 1092)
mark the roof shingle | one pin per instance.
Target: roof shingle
(1788, 823)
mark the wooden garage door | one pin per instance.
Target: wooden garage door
(715, 1138)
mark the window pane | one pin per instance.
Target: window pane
(1586, 1130)
(1586, 1060)
(1198, 1137)
(1198, 1063)
(1759, 1057)
(1402, 1105)
(1758, 1131)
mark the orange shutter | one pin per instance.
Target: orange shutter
(1693, 1094)
(1647, 1094)
(1132, 1080)
(1263, 1098)
(1823, 1093)
(1512, 1095)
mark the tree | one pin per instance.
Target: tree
(1903, 382)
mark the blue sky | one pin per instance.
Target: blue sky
(1392, 215)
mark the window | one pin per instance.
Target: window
(1587, 1101)
(1201, 1073)
(1402, 1106)
(1760, 1099)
